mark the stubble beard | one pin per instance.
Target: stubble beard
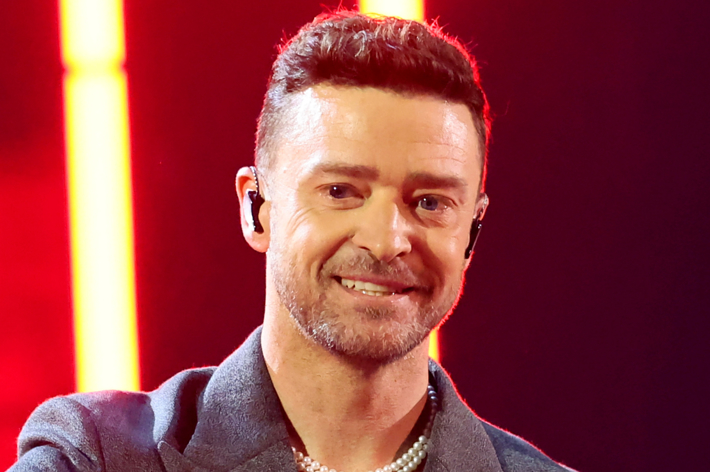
(366, 334)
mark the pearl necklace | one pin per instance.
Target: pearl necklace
(408, 462)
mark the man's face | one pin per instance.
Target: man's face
(372, 198)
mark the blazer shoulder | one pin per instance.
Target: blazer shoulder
(517, 455)
(175, 405)
(90, 430)
(60, 433)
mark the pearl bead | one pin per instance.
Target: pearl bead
(323, 469)
(406, 457)
(307, 460)
(315, 465)
(422, 439)
(399, 462)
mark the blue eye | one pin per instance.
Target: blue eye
(429, 203)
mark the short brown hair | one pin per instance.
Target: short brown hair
(347, 48)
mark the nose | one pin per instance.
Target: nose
(384, 231)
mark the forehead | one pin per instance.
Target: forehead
(391, 132)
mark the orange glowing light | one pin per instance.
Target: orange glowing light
(409, 9)
(434, 345)
(100, 194)
(412, 10)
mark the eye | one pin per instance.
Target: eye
(340, 191)
(430, 203)
(341, 195)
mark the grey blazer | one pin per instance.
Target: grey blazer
(229, 418)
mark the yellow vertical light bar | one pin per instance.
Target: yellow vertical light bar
(409, 9)
(100, 194)
(412, 10)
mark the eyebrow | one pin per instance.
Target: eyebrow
(416, 179)
(429, 180)
(347, 170)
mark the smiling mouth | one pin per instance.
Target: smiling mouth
(368, 288)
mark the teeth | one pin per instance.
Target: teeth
(366, 287)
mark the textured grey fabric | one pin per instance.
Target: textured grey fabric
(229, 418)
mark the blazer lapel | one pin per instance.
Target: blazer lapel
(174, 461)
(240, 420)
(277, 457)
(458, 439)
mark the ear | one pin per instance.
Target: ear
(479, 213)
(481, 206)
(244, 182)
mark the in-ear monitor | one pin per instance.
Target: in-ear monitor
(255, 200)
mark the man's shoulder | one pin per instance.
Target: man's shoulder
(88, 428)
(466, 441)
(517, 454)
(176, 397)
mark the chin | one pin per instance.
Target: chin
(377, 339)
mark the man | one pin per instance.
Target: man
(366, 197)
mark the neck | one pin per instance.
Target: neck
(352, 416)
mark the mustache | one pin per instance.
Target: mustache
(367, 264)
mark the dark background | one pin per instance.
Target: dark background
(584, 323)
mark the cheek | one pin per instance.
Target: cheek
(447, 254)
(289, 217)
(312, 237)
(450, 245)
